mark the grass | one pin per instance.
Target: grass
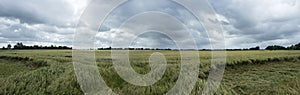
(52, 72)
(278, 78)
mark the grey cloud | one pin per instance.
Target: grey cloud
(39, 22)
(154, 40)
(54, 12)
(133, 7)
(246, 22)
(260, 21)
(41, 33)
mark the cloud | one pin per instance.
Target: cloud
(53, 12)
(15, 31)
(39, 22)
(257, 22)
(132, 8)
(246, 23)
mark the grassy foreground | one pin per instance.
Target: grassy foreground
(52, 72)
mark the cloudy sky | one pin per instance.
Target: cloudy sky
(246, 23)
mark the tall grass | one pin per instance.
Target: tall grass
(247, 72)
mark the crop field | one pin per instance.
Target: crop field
(36, 72)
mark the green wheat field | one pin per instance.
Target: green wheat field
(39, 72)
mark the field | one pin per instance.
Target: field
(247, 72)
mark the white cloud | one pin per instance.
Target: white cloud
(246, 23)
(258, 22)
(39, 22)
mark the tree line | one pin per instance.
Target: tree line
(271, 47)
(278, 47)
(110, 48)
(20, 46)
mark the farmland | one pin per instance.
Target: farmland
(247, 72)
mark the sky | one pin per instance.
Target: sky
(246, 23)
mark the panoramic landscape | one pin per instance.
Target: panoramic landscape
(65, 47)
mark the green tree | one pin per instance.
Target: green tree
(276, 47)
(297, 46)
(8, 46)
(255, 48)
(294, 47)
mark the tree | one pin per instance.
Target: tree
(3, 48)
(275, 47)
(297, 46)
(19, 46)
(8, 46)
(255, 48)
(293, 47)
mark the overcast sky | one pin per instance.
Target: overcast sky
(246, 23)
